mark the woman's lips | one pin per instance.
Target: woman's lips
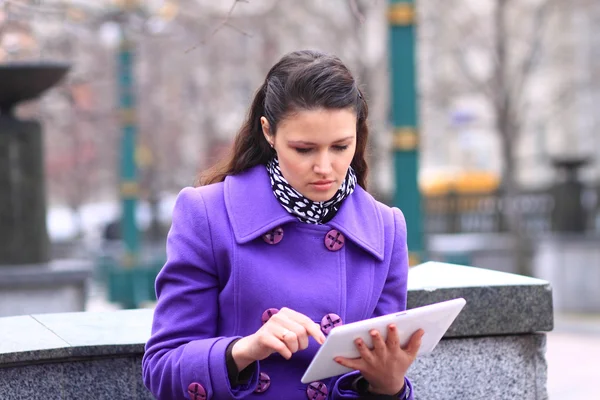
(322, 185)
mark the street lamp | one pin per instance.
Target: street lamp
(132, 281)
(402, 18)
(116, 29)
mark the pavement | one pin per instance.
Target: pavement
(573, 357)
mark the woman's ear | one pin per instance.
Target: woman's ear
(266, 128)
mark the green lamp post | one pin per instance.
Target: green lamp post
(131, 279)
(404, 115)
(129, 187)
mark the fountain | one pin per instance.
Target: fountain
(29, 281)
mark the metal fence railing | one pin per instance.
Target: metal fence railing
(532, 213)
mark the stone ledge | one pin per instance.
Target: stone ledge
(58, 337)
(115, 378)
(497, 367)
(498, 303)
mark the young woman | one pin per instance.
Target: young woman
(279, 244)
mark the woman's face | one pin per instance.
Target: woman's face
(315, 149)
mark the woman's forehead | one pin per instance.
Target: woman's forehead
(319, 125)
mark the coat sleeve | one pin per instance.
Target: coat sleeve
(392, 299)
(184, 349)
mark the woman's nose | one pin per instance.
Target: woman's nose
(323, 164)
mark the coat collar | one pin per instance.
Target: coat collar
(253, 210)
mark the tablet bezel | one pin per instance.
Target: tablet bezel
(434, 319)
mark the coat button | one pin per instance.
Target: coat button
(268, 314)
(264, 381)
(317, 391)
(329, 322)
(274, 236)
(197, 391)
(334, 240)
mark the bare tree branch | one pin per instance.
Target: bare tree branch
(499, 81)
(235, 28)
(356, 12)
(460, 55)
(225, 22)
(534, 55)
(338, 27)
(38, 7)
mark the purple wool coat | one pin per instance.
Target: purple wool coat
(228, 264)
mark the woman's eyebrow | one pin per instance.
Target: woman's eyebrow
(311, 143)
(344, 139)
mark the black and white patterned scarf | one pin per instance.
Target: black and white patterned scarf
(306, 210)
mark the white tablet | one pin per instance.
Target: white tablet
(434, 319)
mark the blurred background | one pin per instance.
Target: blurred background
(485, 130)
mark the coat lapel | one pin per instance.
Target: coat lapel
(253, 210)
(360, 220)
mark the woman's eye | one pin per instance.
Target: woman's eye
(340, 148)
(302, 150)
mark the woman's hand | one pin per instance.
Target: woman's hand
(385, 366)
(285, 333)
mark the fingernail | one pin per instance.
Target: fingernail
(393, 327)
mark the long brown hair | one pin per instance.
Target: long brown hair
(301, 80)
